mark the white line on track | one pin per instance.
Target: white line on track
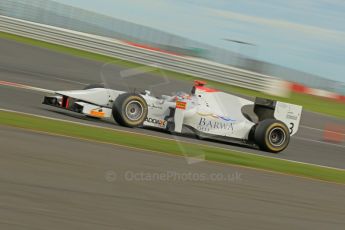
(320, 142)
(44, 76)
(321, 130)
(307, 127)
(17, 85)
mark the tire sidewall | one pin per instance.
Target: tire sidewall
(262, 132)
(119, 109)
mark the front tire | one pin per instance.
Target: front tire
(272, 135)
(130, 110)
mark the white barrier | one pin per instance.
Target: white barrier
(114, 48)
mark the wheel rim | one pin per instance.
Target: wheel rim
(134, 110)
(277, 137)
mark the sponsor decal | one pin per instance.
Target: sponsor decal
(216, 116)
(206, 125)
(292, 117)
(181, 105)
(97, 113)
(155, 106)
(160, 123)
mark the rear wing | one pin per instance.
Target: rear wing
(290, 114)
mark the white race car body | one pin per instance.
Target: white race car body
(207, 112)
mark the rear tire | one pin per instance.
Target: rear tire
(94, 86)
(272, 135)
(130, 110)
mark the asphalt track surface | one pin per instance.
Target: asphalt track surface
(43, 68)
(54, 182)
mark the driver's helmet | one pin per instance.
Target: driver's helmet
(182, 96)
(197, 83)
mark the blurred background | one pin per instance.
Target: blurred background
(234, 47)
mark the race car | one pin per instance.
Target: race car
(208, 113)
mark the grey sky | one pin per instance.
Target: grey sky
(307, 35)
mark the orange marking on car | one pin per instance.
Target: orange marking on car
(181, 105)
(97, 113)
